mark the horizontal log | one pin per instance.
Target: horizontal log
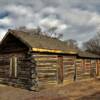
(47, 66)
(78, 64)
(68, 57)
(24, 69)
(69, 77)
(47, 71)
(45, 74)
(68, 70)
(68, 66)
(47, 81)
(44, 55)
(79, 60)
(46, 63)
(23, 72)
(48, 78)
(23, 77)
(40, 59)
(79, 72)
(4, 68)
(48, 75)
(68, 73)
(4, 76)
(68, 63)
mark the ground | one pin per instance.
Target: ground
(83, 90)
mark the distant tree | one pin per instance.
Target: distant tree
(93, 45)
(53, 33)
(30, 30)
(72, 44)
(50, 32)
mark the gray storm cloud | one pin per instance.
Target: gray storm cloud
(76, 19)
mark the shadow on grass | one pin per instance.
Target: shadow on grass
(95, 96)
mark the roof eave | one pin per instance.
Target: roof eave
(53, 51)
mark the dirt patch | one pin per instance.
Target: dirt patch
(83, 90)
(94, 96)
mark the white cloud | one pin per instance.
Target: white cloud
(50, 23)
(63, 27)
(95, 19)
(74, 18)
(5, 21)
(2, 33)
(19, 10)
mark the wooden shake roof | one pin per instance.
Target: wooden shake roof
(41, 43)
(85, 54)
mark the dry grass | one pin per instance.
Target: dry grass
(84, 90)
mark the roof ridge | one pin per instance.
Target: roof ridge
(41, 35)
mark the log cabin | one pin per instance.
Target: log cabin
(87, 65)
(32, 61)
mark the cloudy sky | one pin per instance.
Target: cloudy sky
(76, 19)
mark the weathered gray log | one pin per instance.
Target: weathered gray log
(33, 72)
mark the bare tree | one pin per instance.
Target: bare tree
(93, 45)
(72, 44)
(50, 33)
(29, 30)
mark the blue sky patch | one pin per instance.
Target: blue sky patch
(4, 14)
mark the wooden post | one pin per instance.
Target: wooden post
(75, 70)
(97, 68)
(10, 69)
(60, 69)
(93, 71)
(13, 67)
(83, 66)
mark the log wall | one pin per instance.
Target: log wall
(59, 69)
(79, 69)
(4, 69)
(54, 69)
(50, 69)
(23, 78)
(46, 68)
(98, 68)
(86, 68)
(69, 68)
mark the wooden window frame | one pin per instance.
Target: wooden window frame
(13, 67)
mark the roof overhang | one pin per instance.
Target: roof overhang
(11, 32)
(53, 51)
